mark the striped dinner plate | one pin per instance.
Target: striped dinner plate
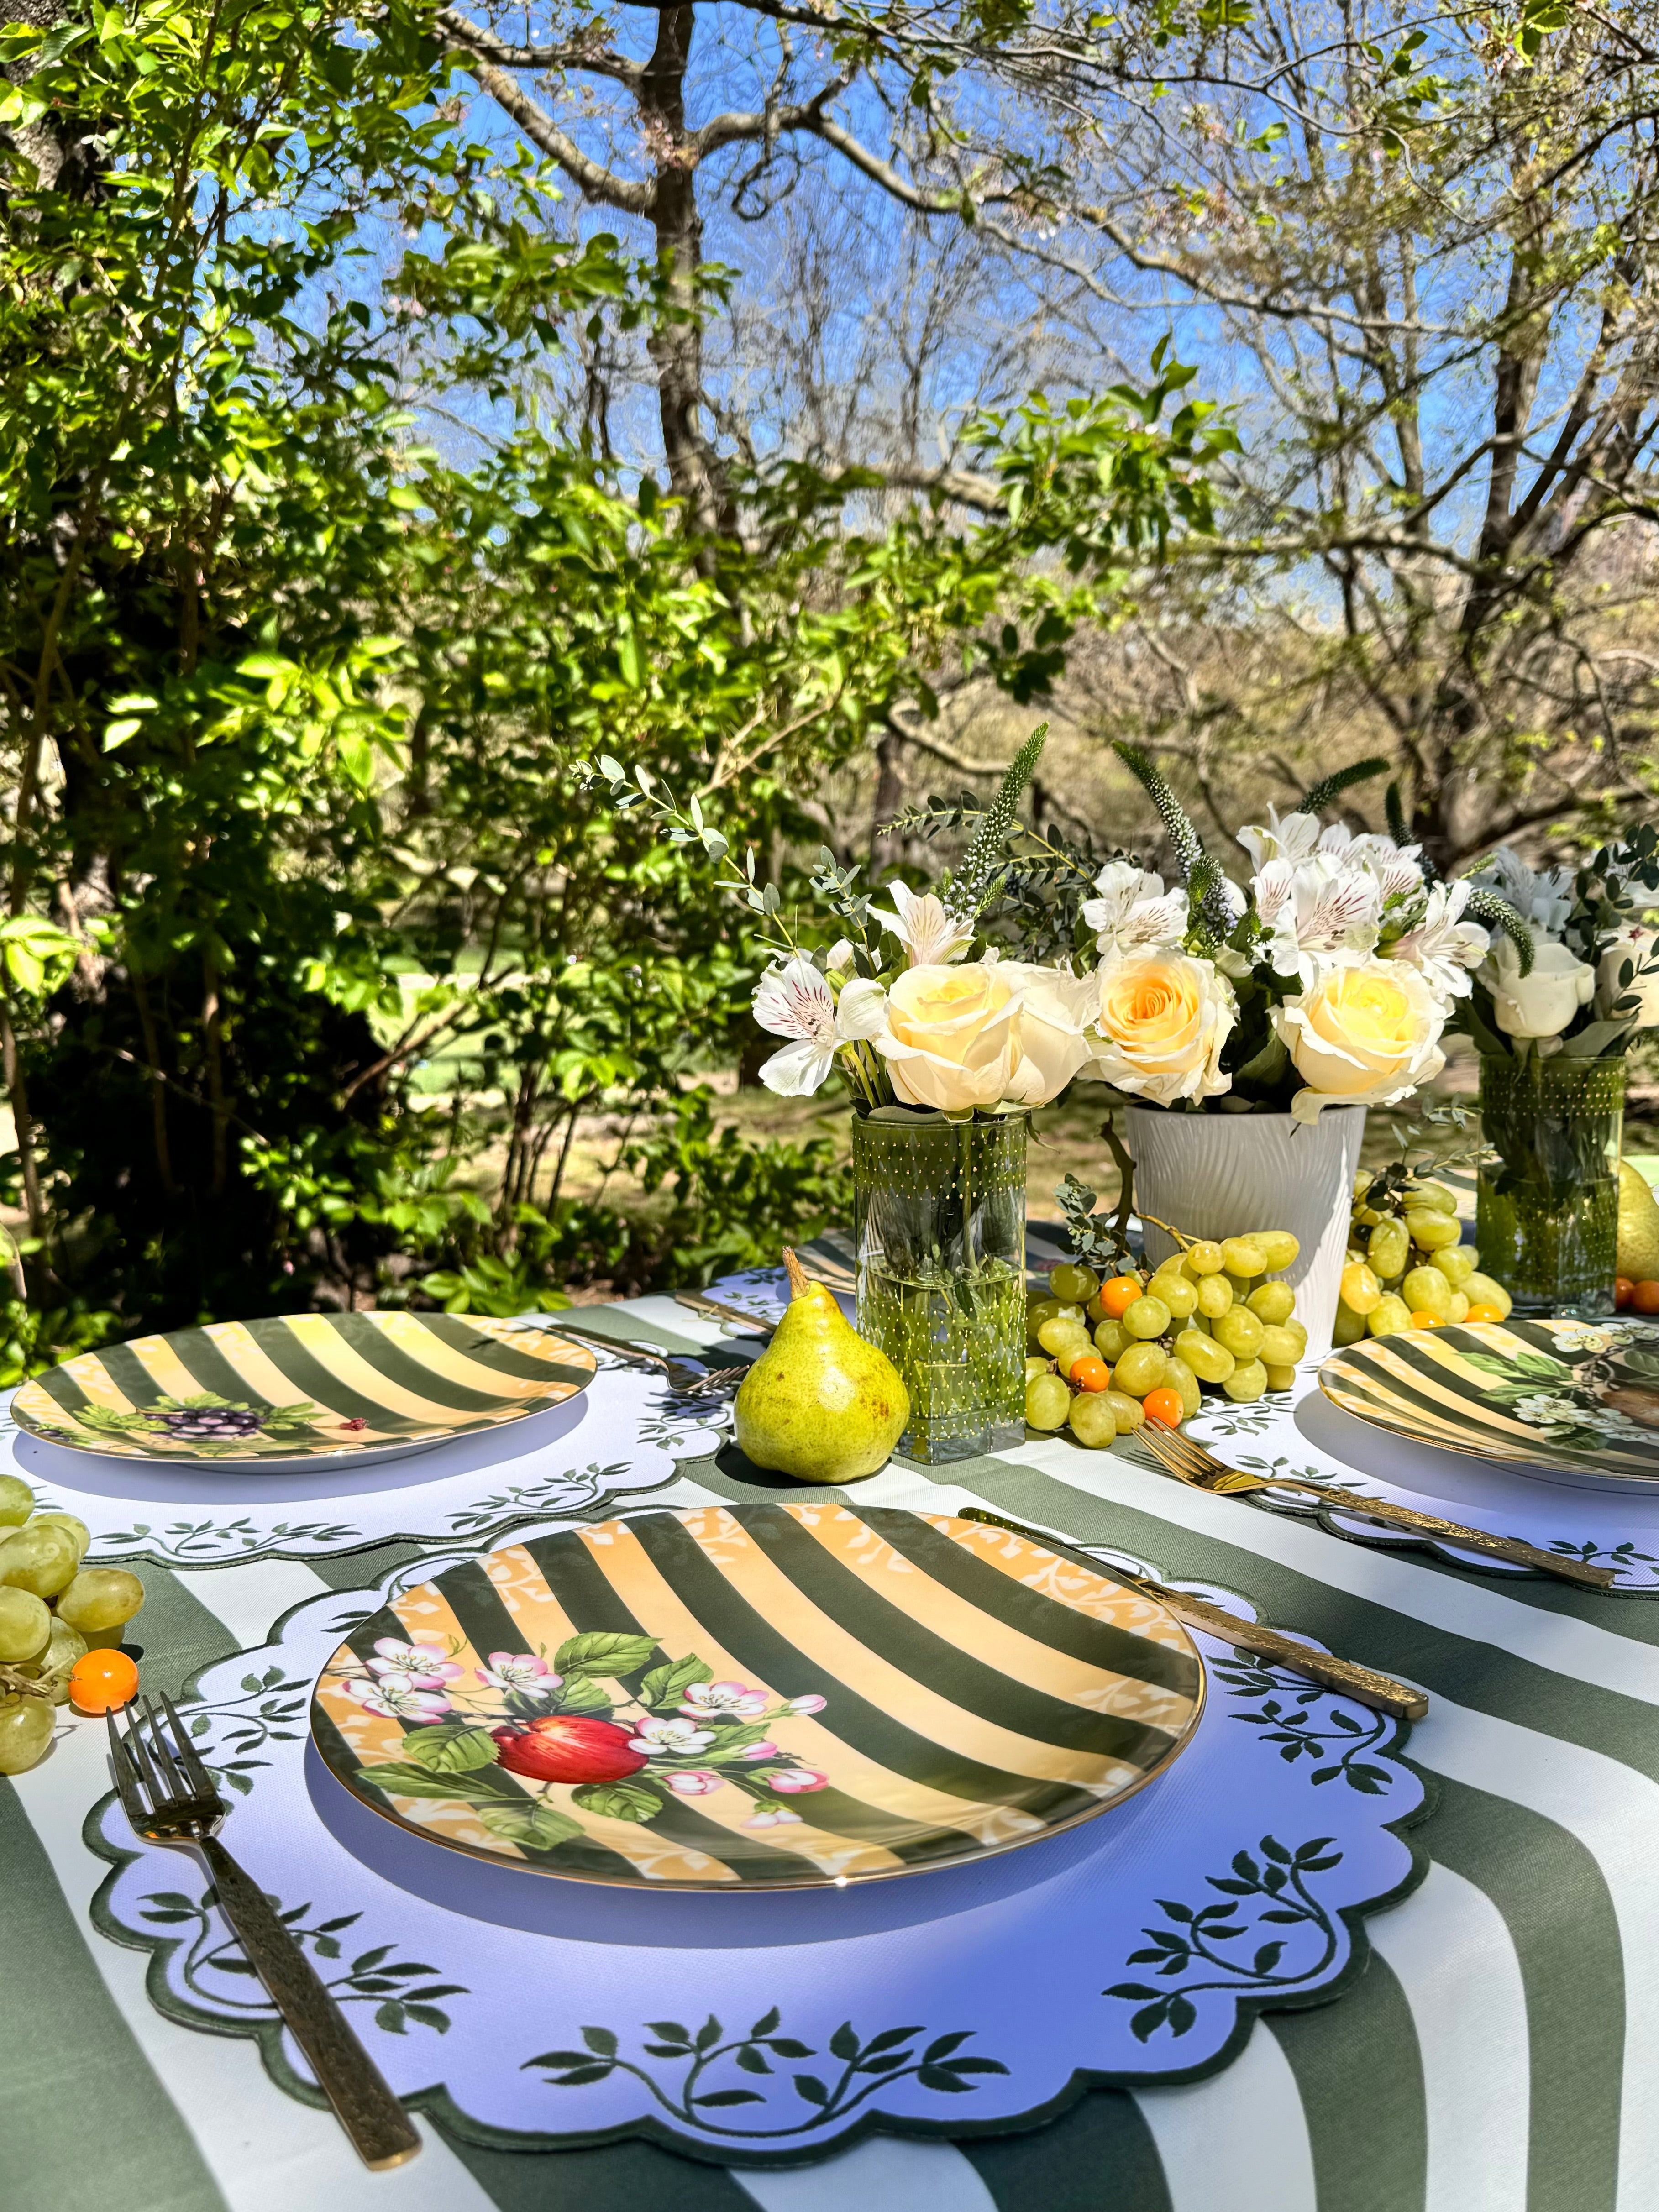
(298, 1388)
(783, 1696)
(1579, 1399)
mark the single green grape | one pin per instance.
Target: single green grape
(1210, 1361)
(1178, 1291)
(100, 1599)
(1389, 1315)
(25, 1730)
(1389, 1247)
(1177, 1376)
(1048, 1402)
(1433, 1194)
(17, 1502)
(1247, 1382)
(1280, 1378)
(1279, 1347)
(1141, 1368)
(1147, 1317)
(1483, 1291)
(1360, 1288)
(1128, 1412)
(1271, 1302)
(39, 1557)
(74, 1529)
(1279, 1248)
(52, 1670)
(1350, 1326)
(1215, 1295)
(1297, 1334)
(1072, 1284)
(1036, 1364)
(1203, 1258)
(1240, 1332)
(1055, 1335)
(25, 1626)
(1112, 1340)
(1433, 1231)
(1092, 1420)
(1425, 1290)
(1459, 1308)
(1242, 1255)
(1457, 1262)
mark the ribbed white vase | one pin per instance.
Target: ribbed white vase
(1224, 1175)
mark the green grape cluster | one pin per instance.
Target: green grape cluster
(1407, 1266)
(1104, 1357)
(52, 1612)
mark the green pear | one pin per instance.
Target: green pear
(820, 1404)
(1638, 1226)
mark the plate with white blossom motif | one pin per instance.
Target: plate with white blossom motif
(1577, 1401)
(769, 1695)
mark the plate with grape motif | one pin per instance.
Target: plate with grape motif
(297, 1389)
(1575, 1401)
(760, 1697)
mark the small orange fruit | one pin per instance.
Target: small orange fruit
(1163, 1407)
(1424, 1319)
(1622, 1290)
(1479, 1312)
(1120, 1294)
(1090, 1372)
(1645, 1297)
(102, 1682)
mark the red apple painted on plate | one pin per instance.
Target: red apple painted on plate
(566, 1748)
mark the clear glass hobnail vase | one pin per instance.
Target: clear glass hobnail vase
(939, 1217)
(1547, 1210)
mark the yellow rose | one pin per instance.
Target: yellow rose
(1163, 1019)
(949, 1038)
(1365, 1033)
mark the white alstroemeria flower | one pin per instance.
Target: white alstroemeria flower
(1444, 945)
(1295, 838)
(838, 961)
(1315, 906)
(796, 1001)
(1397, 868)
(1541, 896)
(931, 936)
(1134, 913)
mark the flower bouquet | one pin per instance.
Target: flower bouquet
(1565, 988)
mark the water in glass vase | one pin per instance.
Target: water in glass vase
(1548, 1209)
(940, 1210)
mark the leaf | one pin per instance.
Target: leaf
(398, 1778)
(1151, 2017)
(943, 2045)
(537, 1827)
(708, 2034)
(666, 1686)
(888, 2040)
(767, 2023)
(578, 2074)
(810, 2087)
(1129, 1990)
(429, 2015)
(600, 2039)
(751, 2060)
(603, 1652)
(787, 2047)
(730, 2097)
(1182, 2014)
(843, 2044)
(391, 2017)
(618, 1800)
(969, 2064)
(1267, 1958)
(451, 1750)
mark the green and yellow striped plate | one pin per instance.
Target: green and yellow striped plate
(300, 1388)
(781, 1696)
(1580, 1398)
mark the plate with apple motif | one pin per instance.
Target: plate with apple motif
(294, 1389)
(781, 1696)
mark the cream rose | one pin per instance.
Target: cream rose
(1365, 1033)
(1056, 1010)
(949, 1037)
(1640, 948)
(1163, 1020)
(1539, 1005)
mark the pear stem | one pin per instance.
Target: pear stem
(800, 1281)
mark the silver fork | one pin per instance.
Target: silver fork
(170, 1798)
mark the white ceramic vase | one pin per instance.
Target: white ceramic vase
(1223, 1174)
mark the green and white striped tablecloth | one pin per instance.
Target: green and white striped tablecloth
(1501, 2052)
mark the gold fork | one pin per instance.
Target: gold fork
(1189, 1462)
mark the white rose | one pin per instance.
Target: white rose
(1056, 1010)
(1163, 1018)
(1640, 947)
(1365, 1033)
(950, 1036)
(1539, 1005)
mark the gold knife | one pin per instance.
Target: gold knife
(1363, 1683)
